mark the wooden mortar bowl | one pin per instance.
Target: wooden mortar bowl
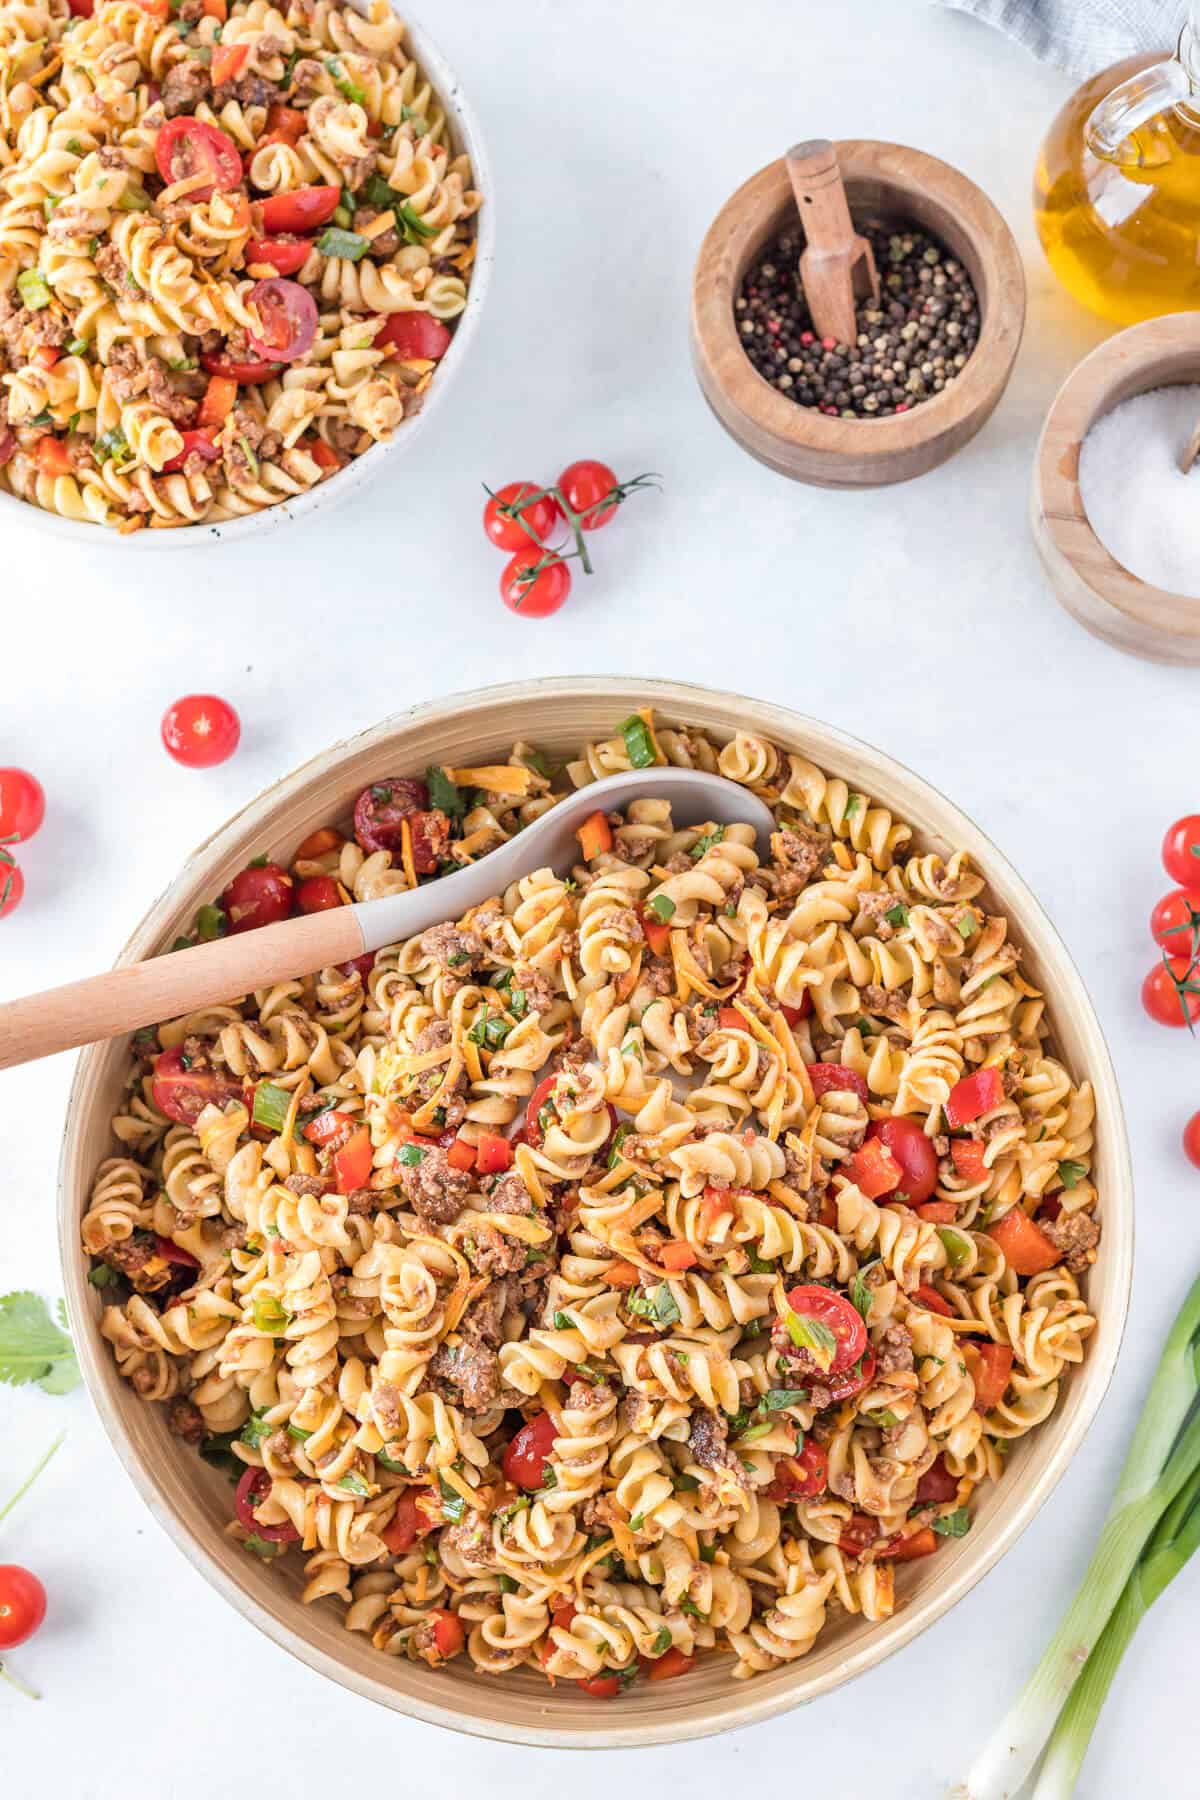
(886, 181)
(193, 1502)
(1099, 591)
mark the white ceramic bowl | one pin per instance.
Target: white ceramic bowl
(193, 1502)
(466, 135)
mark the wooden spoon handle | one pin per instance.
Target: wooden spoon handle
(146, 993)
(817, 184)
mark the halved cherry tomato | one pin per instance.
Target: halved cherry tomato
(837, 1314)
(678, 1255)
(175, 1253)
(201, 730)
(527, 1454)
(858, 1531)
(251, 1491)
(320, 893)
(602, 1687)
(972, 1096)
(353, 1162)
(937, 1484)
(1181, 850)
(187, 146)
(730, 1019)
(22, 805)
(45, 356)
(284, 255)
(359, 965)
(379, 809)
(419, 334)
(672, 1662)
(494, 1154)
(461, 1155)
(257, 896)
(182, 1093)
(289, 319)
(301, 210)
(1173, 921)
(561, 1618)
(1050, 1207)
(534, 583)
(1163, 999)
(800, 1477)
(1027, 1249)
(853, 1380)
(22, 1603)
(873, 1169)
(448, 1634)
(52, 456)
(586, 486)
(990, 1366)
(937, 1212)
(323, 454)
(913, 1151)
(908, 1549)
(828, 1077)
(716, 1203)
(228, 61)
(415, 1517)
(289, 121)
(195, 443)
(328, 1125)
(535, 522)
(535, 1130)
(220, 398)
(12, 887)
(595, 834)
(318, 843)
(932, 1301)
(233, 371)
(967, 1154)
(657, 933)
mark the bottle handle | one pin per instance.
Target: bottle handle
(1141, 98)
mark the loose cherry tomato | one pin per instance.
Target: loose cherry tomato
(1174, 920)
(182, 1093)
(12, 885)
(800, 1477)
(229, 368)
(284, 255)
(526, 1457)
(380, 808)
(415, 334)
(448, 1635)
(359, 965)
(1163, 1001)
(195, 443)
(534, 522)
(300, 210)
(838, 1315)
(829, 1077)
(913, 1151)
(257, 896)
(186, 146)
(251, 1491)
(602, 1687)
(352, 1164)
(288, 121)
(415, 1517)
(973, 1096)
(22, 805)
(201, 730)
(532, 586)
(671, 1662)
(289, 319)
(937, 1483)
(585, 486)
(320, 893)
(1191, 1139)
(22, 1605)
(1181, 850)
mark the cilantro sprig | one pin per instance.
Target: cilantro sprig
(33, 1349)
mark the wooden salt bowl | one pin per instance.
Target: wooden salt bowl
(891, 182)
(1095, 588)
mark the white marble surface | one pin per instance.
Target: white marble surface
(915, 617)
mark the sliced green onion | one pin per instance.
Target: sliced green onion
(705, 843)
(620, 1134)
(271, 1105)
(134, 200)
(415, 230)
(957, 1247)
(897, 915)
(353, 1483)
(111, 443)
(351, 246)
(350, 90)
(1071, 1173)
(343, 216)
(663, 907)
(270, 1315)
(34, 289)
(76, 346)
(639, 746)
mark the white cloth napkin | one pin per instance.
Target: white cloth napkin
(1082, 36)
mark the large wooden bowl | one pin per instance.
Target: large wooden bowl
(193, 1502)
(886, 181)
(1095, 588)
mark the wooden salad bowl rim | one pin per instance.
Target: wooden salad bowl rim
(194, 1502)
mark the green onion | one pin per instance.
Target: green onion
(256, 1431)
(379, 193)
(663, 907)
(111, 443)
(968, 925)
(353, 1483)
(261, 1547)
(506, 1584)
(413, 226)
(708, 1553)
(102, 1275)
(75, 147)
(134, 200)
(622, 1132)
(639, 746)
(342, 82)
(351, 246)
(387, 1462)
(343, 216)
(271, 1105)
(298, 1432)
(956, 1246)
(662, 1639)
(1159, 1470)
(34, 289)
(76, 346)
(716, 836)
(270, 1315)
(755, 1431)
(659, 1305)
(563, 1322)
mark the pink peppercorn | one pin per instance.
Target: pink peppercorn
(806, 337)
(829, 343)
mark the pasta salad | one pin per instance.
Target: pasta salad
(234, 238)
(640, 1266)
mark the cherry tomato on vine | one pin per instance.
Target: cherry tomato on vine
(533, 586)
(534, 522)
(584, 485)
(12, 887)
(1191, 1139)
(22, 1605)
(1181, 849)
(1162, 999)
(22, 805)
(1171, 921)
(201, 730)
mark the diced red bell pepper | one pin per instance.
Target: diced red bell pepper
(1027, 1249)
(352, 1163)
(967, 1156)
(657, 932)
(973, 1096)
(937, 1212)
(448, 1635)
(461, 1155)
(678, 1255)
(908, 1549)
(494, 1154)
(990, 1366)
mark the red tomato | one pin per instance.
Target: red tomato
(195, 443)
(1174, 920)
(658, 933)
(429, 841)
(22, 1605)
(288, 121)
(175, 1253)
(561, 1618)
(182, 1093)
(602, 1687)
(514, 532)
(82, 9)
(12, 886)
(671, 1662)
(289, 319)
(448, 1635)
(22, 805)
(380, 808)
(323, 454)
(415, 334)
(973, 1096)
(251, 1491)
(716, 1203)
(300, 210)
(990, 1366)
(320, 893)
(411, 1520)
(359, 965)
(284, 255)
(230, 369)
(874, 1170)
(800, 1477)
(1050, 1208)
(186, 146)
(677, 1255)
(532, 586)
(327, 1126)
(913, 1151)
(1027, 1249)
(52, 456)
(201, 730)
(1181, 850)
(967, 1155)
(908, 1549)
(535, 1131)
(220, 398)
(937, 1483)
(932, 1301)
(228, 61)
(938, 1212)
(528, 1453)
(258, 896)
(494, 1154)
(461, 1155)
(1191, 1139)
(585, 486)
(794, 1014)
(838, 1315)
(826, 1077)
(1162, 999)
(848, 1383)
(858, 1531)
(45, 356)
(352, 1164)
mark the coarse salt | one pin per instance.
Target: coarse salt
(1142, 507)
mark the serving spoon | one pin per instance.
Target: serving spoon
(165, 987)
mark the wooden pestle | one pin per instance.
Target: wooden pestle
(837, 267)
